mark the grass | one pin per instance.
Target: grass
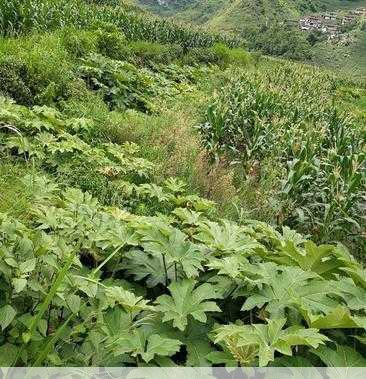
(15, 198)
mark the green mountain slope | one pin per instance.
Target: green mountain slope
(239, 14)
(232, 15)
(263, 25)
(236, 14)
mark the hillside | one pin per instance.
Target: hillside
(169, 199)
(264, 27)
(234, 15)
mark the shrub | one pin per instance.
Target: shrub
(79, 43)
(46, 67)
(227, 56)
(112, 44)
(147, 52)
(201, 56)
(14, 81)
(121, 84)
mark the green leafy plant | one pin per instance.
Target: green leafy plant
(247, 342)
(186, 300)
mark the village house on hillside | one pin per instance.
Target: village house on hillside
(330, 23)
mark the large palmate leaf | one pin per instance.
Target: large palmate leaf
(195, 338)
(187, 301)
(197, 343)
(231, 266)
(226, 238)
(325, 260)
(315, 298)
(146, 345)
(173, 245)
(112, 233)
(128, 300)
(188, 217)
(142, 265)
(342, 356)
(311, 258)
(339, 317)
(353, 295)
(291, 287)
(262, 340)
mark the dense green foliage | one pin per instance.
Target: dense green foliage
(22, 17)
(113, 251)
(86, 285)
(319, 151)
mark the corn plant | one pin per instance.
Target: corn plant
(19, 17)
(276, 115)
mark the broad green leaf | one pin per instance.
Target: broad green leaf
(173, 244)
(7, 314)
(27, 266)
(262, 340)
(19, 284)
(158, 345)
(128, 300)
(222, 358)
(353, 295)
(73, 302)
(226, 238)
(338, 317)
(290, 287)
(163, 362)
(141, 265)
(197, 343)
(230, 266)
(86, 286)
(175, 185)
(8, 354)
(187, 301)
(325, 260)
(116, 321)
(188, 217)
(342, 356)
(146, 345)
(197, 351)
(293, 361)
(112, 234)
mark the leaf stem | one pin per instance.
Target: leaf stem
(107, 259)
(166, 271)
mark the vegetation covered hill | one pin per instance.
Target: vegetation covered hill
(242, 8)
(168, 198)
(263, 25)
(236, 15)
